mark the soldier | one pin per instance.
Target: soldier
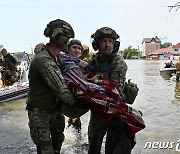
(177, 65)
(9, 68)
(48, 90)
(113, 67)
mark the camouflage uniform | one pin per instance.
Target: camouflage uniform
(9, 63)
(47, 91)
(114, 68)
(177, 65)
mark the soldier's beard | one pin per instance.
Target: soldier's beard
(106, 53)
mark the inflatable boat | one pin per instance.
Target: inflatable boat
(18, 89)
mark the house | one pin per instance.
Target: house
(149, 45)
(176, 49)
(163, 53)
(172, 52)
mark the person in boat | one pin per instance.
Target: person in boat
(177, 65)
(169, 65)
(9, 72)
(48, 91)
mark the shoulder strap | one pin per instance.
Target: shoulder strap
(94, 64)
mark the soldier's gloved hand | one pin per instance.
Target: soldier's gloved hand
(130, 91)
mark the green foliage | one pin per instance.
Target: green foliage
(166, 45)
(130, 52)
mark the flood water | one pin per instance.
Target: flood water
(158, 99)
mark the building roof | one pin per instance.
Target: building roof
(176, 46)
(149, 40)
(162, 51)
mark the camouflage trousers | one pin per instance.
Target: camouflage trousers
(177, 76)
(96, 131)
(46, 130)
(10, 79)
(117, 139)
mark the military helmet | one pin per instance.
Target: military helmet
(105, 32)
(59, 26)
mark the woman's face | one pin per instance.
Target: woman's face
(75, 50)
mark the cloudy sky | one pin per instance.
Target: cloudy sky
(22, 22)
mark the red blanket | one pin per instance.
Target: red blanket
(109, 104)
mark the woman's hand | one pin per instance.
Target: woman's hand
(83, 64)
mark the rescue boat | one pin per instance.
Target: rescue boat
(18, 89)
(15, 91)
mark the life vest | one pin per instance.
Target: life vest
(97, 66)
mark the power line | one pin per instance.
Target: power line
(69, 6)
(170, 24)
(142, 19)
(173, 6)
(139, 24)
(165, 24)
(132, 23)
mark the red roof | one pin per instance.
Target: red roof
(176, 46)
(162, 50)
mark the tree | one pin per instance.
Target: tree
(166, 45)
(130, 52)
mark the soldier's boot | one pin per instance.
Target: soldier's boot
(177, 77)
(57, 149)
(57, 152)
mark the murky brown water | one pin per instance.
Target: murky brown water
(158, 99)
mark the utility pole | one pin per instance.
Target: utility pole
(177, 5)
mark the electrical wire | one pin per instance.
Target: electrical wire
(164, 25)
(170, 24)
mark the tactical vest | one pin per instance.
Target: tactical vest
(98, 66)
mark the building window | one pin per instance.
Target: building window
(175, 49)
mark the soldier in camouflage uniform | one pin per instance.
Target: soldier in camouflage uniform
(113, 67)
(48, 91)
(9, 68)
